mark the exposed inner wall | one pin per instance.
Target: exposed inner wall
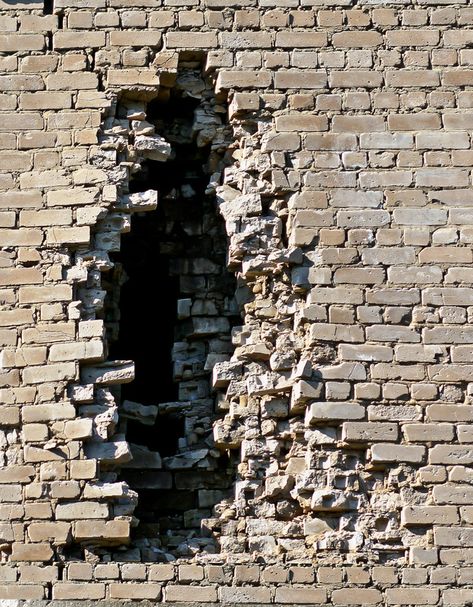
(173, 315)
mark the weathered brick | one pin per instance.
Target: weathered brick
(397, 453)
(203, 594)
(414, 596)
(84, 591)
(74, 40)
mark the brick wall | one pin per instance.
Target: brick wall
(345, 399)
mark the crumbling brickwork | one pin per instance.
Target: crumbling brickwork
(302, 171)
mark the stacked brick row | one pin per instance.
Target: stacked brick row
(247, 584)
(348, 209)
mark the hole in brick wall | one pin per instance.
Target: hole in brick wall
(48, 7)
(176, 310)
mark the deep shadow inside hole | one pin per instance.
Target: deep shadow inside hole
(148, 321)
(155, 254)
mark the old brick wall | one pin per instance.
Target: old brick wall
(338, 136)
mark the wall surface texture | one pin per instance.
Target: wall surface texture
(320, 240)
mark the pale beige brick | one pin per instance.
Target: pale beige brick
(44, 100)
(48, 412)
(84, 591)
(31, 552)
(74, 40)
(357, 596)
(417, 122)
(33, 574)
(246, 594)
(140, 591)
(300, 39)
(53, 372)
(355, 78)
(358, 124)
(357, 39)
(300, 79)
(56, 532)
(414, 596)
(192, 40)
(301, 122)
(25, 592)
(133, 38)
(369, 431)
(112, 531)
(300, 596)
(397, 453)
(20, 276)
(79, 235)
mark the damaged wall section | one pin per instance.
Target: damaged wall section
(168, 305)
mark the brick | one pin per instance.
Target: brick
(412, 78)
(83, 591)
(330, 141)
(31, 552)
(442, 141)
(292, 40)
(246, 594)
(358, 124)
(450, 493)
(429, 515)
(458, 77)
(336, 332)
(282, 141)
(357, 596)
(81, 510)
(369, 432)
(300, 79)
(243, 40)
(300, 596)
(135, 38)
(333, 411)
(52, 372)
(301, 122)
(79, 235)
(191, 40)
(112, 531)
(451, 454)
(395, 141)
(458, 122)
(45, 100)
(20, 276)
(71, 81)
(21, 83)
(203, 594)
(415, 275)
(365, 218)
(416, 122)
(50, 293)
(355, 78)
(448, 255)
(74, 40)
(56, 532)
(413, 37)
(451, 536)
(412, 596)
(243, 79)
(397, 453)
(48, 412)
(24, 592)
(357, 39)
